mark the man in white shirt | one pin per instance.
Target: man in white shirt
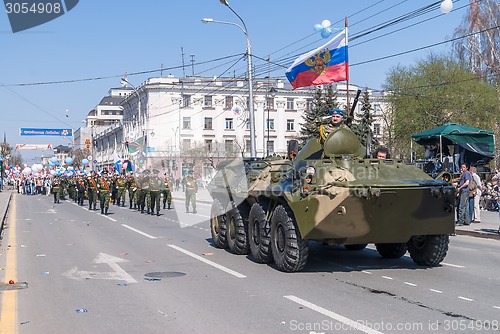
(477, 212)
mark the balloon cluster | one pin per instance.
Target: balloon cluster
(324, 28)
(446, 6)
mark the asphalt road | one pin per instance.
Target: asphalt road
(72, 259)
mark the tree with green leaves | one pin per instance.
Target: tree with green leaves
(322, 103)
(434, 92)
(362, 125)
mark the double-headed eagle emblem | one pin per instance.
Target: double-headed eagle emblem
(318, 62)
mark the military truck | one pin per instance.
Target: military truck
(330, 193)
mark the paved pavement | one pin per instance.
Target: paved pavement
(488, 228)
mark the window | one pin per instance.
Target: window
(247, 145)
(290, 105)
(186, 100)
(208, 123)
(247, 123)
(376, 129)
(290, 125)
(186, 122)
(228, 145)
(186, 144)
(229, 102)
(270, 124)
(377, 109)
(270, 102)
(208, 145)
(309, 104)
(229, 123)
(270, 147)
(208, 101)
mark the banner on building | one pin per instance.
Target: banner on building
(46, 132)
(34, 147)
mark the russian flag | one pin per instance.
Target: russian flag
(326, 64)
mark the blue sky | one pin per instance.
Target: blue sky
(106, 38)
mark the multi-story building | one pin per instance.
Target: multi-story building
(194, 122)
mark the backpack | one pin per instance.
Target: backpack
(472, 185)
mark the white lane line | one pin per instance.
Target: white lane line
(497, 307)
(140, 232)
(387, 277)
(213, 264)
(464, 298)
(349, 322)
(410, 284)
(437, 291)
(366, 272)
(452, 265)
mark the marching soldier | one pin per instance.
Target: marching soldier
(92, 190)
(191, 190)
(121, 184)
(167, 195)
(80, 189)
(104, 185)
(143, 185)
(132, 189)
(156, 186)
(56, 187)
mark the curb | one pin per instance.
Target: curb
(478, 234)
(2, 222)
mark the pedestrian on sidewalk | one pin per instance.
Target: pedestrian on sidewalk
(476, 214)
(463, 194)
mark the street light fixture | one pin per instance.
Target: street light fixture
(272, 91)
(253, 152)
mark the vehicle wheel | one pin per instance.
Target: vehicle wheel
(237, 230)
(289, 250)
(428, 250)
(259, 235)
(218, 225)
(392, 251)
(355, 247)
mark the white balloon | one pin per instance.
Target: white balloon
(34, 168)
(52, 172)
(27, 171)
(327, 24)
(446, 6)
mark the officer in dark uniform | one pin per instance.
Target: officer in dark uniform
(56, 188)
(167, 194)
(80, 189)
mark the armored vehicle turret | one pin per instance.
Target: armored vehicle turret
(272, 208)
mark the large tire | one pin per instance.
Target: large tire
(355, 247)
(289, 250)
(259, 235)
(428, 250)
(237, 230)
(218, 224)
(392, 251)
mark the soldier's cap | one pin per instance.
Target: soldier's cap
(156, 171)
(190, 171)
(337, 111)
(146, 171)
(104, 172)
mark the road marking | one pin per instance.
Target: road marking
(140, 232)
(213, 264)
(411, 284)
(8, 316)
(117, 274)
(437, 291)
(497, 307)
(452, 265)
(464, 298)
(349, 322)
(387, 277)
(366, 272)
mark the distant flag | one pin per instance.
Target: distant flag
(326, 64)
(136, 146)
(117, 161)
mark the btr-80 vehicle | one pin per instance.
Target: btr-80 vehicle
(329, 193)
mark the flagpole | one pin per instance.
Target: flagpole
(347, 73)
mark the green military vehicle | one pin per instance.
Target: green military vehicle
(329, 193)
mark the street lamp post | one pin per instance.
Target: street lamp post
(250, 77)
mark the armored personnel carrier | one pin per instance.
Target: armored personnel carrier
(331, 194)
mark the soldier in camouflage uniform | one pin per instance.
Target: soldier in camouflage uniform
(167, 194)
(72, 187)
(121, 184)
(156, 186)
(92, 190)
(143, 188)
(104, 184)
(132, 191)
(191, 190)
(56, 188)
